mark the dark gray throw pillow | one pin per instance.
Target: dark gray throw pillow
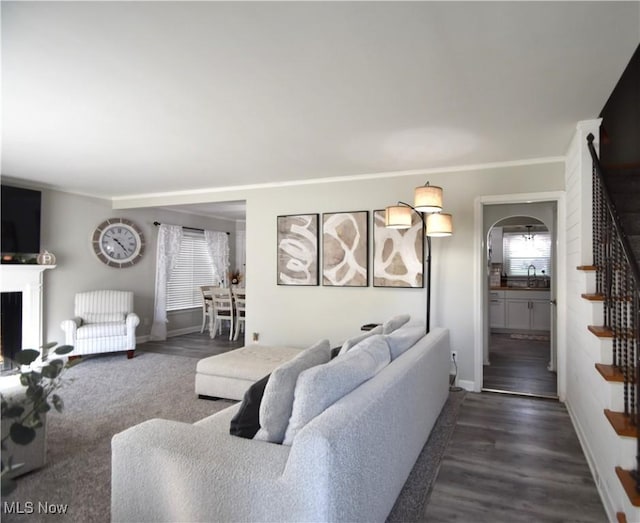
(246, 422)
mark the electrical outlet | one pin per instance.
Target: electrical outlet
(454, 356)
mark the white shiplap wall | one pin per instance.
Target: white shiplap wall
(587, 393)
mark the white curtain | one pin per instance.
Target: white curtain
(218, 245)
(169, 240)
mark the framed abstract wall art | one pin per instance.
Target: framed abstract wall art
(345, 249)
(398, 254)
(298, 249)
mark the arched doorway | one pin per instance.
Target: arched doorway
(519, 357)
(543, 208)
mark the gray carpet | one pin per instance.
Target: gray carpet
(109, 393)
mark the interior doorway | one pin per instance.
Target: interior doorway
(519, 349)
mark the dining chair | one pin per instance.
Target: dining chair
(221, 310)
(205, 291)
(239, 295)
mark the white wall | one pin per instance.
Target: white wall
(68, 221)
(301, 315)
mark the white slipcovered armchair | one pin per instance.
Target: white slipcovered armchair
(104, 322)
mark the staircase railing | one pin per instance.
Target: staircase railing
(618, 281)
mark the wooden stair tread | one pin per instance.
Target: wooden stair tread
(621, 517)
(629, 485)
(588, 268)
(621, 424)
(610, 373)
(593, 297)
(601, 331)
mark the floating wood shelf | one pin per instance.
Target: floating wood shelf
(593, 297)
(588, 268)
(629, 485)
(621, 424)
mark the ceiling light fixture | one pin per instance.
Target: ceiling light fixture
(529, 235)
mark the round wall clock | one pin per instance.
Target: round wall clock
(118, 242)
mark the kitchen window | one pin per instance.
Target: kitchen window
(520, 252)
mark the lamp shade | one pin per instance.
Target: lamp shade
(428, 198)
(397, 217)
(439, 224)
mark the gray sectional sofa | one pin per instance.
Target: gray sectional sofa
(357, 426)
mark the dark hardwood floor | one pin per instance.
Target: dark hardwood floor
(519, 366)
(510, 460)
(194, 345)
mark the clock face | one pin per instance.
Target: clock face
(118, 242)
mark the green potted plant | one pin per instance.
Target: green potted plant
(24, 408)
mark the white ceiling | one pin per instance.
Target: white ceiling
(129, 98)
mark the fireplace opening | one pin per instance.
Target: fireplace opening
(10, 328)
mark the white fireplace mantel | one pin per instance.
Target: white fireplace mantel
(27, 279)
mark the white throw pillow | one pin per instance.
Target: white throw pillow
(395, 323)
(321, 386)
(351, 342)
(277, 401)
(403, 338)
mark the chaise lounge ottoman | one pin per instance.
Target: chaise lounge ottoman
(230, 374)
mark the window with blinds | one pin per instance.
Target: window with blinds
(194, 268)
(519, 253)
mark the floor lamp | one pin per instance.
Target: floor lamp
(428, 205)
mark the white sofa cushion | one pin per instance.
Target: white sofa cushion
(395, 323)
(102, 330)
(351, 342)
(406, 336)
(320, 387)
(277, 402)
(103, 317)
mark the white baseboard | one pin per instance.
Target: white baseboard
(170, 334)
(180, 332)
(605, 495)
(467, 385)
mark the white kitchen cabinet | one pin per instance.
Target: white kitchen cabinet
(495, 244)
(540, 315)
(523, 310)
(496, 310)
(518, 314)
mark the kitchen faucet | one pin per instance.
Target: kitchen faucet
(531, 282)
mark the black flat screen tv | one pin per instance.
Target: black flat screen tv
(20, 221)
